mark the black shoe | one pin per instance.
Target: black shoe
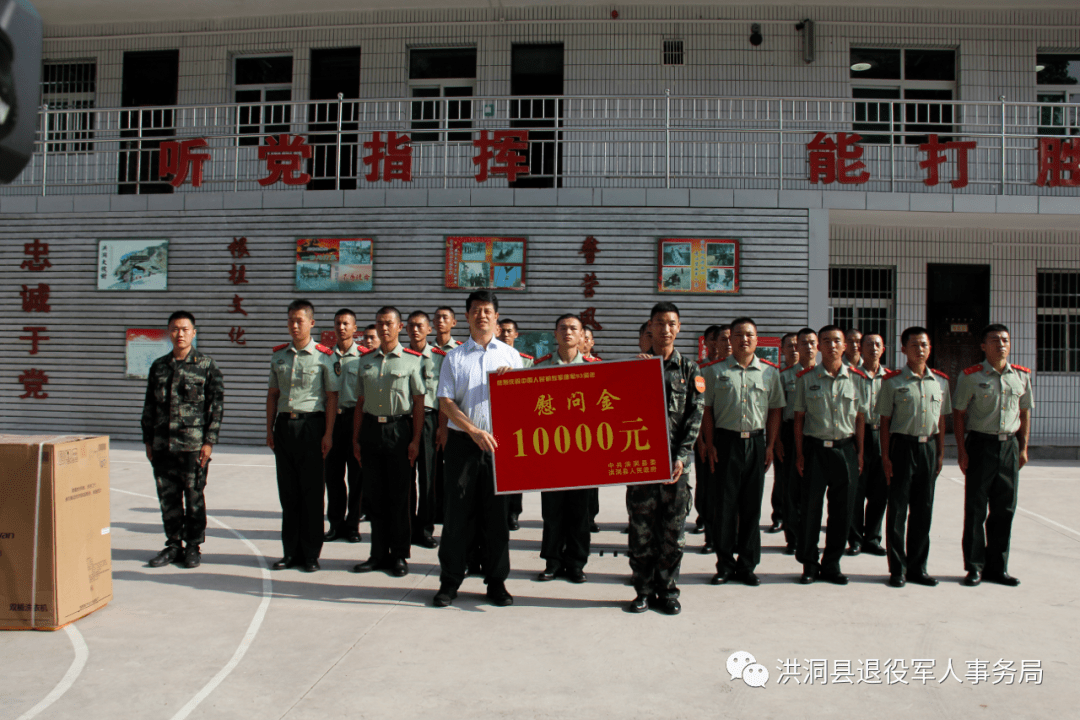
(577, 575)
(922, 579)
(369, 565)
(789, 550)
(639, 604)
(707, 549)
(875, 549)
(1002, 578)
(426, 541)
(973, 578)
(331, 535)
(809, 574)
(721, 578)
(192, 557)
(775, 527)
(594, 528)
(671, 606)
(354, 537)
(512, 522)
(747, 577)
(548, 573)
(285, 563)
(496, 593)
(855, 549)
(836, 577)
(445, 597)
(897, 581)
(399, 568)
(311, 566)
(164, 557)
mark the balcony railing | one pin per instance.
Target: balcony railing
(632, 142)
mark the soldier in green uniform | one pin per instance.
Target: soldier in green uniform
(443, 321)
(565, 541)
(911, 404)
(508, 333)
(658, 510)
(181, 420)
(301, 407)
(388, 423)
(806, 346)
(854, 343)
(701, 466)
(743, 402)
(369, 340)
(993, 404)
(343, 500)
(872, 493)
(831, 401)
(782, 461)
(422, 493)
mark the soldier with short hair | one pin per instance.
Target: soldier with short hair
(806, 343)
(782, 465)
(343, 499)
(422, 500)
(872, 492)
(181, 419)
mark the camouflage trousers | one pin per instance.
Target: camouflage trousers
(180, 482)
(657, 525)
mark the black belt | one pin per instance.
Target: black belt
(913, 438)
(1000, 437)
(741, 434)
(300, 416)
(842, 442)
(873, 427)
(341, 410)
(430, 411)
(387, 418)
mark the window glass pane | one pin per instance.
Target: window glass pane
(1058, 69)
(872, 117)
(1050, 343)
(442, 63)
(1074, 343)
(875, 64)
(264, 70)
(929, 65)
(1057, 290)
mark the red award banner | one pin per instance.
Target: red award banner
(581, 425)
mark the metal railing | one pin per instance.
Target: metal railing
(634, 142)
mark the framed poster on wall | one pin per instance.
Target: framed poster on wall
(142, 346)
(693, 265)
(334, 264)
(133, 264)
(494, 263)
(768, 348)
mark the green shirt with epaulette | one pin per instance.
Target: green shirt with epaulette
(387, 382)
(787, 384)
(873, 417)
(740, 397)
(993, 400)
(684, 387)
(831, 404)
(857, 364)
(447, 347)
(913, 405)
(430, 367)
(303, 377)
(185, 401)
(555, 359)
(526, 360)
(345, 366)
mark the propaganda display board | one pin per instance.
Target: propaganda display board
(133, 265)
(579, 426)
(768, 348)
(690, 265)
(143, 346)
(496, 263)
(334, 264)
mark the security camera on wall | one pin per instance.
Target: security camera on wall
(20, 84)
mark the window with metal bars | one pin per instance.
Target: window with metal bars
(923, 81)
(262, 79)
(69, 89)
(864, 298)
(442, 73)
(1057, 321)
(673, 52)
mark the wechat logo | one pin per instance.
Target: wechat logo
(742, 665)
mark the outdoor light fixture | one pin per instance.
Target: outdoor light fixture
(806, 27)
(861, 67)
(755, 34)
(1040, 68)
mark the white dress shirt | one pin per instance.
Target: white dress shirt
(464, 378)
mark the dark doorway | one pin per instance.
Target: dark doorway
(538, 70)
(333, 71)
(957, 309)
(150, 79)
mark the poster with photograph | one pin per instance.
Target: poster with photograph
(495, 263)
(768, 348)
(692, 265)
(334, 264)
(142, 346)
(537, 344)
(133, 264)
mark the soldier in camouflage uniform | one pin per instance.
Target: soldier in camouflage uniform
(181, 419)
(658, 511)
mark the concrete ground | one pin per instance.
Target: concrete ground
(233, 640)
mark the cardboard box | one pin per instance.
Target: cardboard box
(55, 548)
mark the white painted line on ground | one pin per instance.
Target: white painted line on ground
(253, 626)
(217, 465)
(81, 654)
(960, 481)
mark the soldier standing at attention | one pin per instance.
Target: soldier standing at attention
(343, 501)
(370, 340)
(993, 404)
(830, 410)
(644, 339)
(701, 464)
(470, 501)
(508, 333)
(387, 425)
(743, 402)
(854, 343)
(444, 321)
(911, 404)
(872, 493)
(658, 510)
(181, 419)
(422, 493)
(565, 542)
(710, 480)
(588, 342)
(806, 343)
(789, 357)
(301, 407)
